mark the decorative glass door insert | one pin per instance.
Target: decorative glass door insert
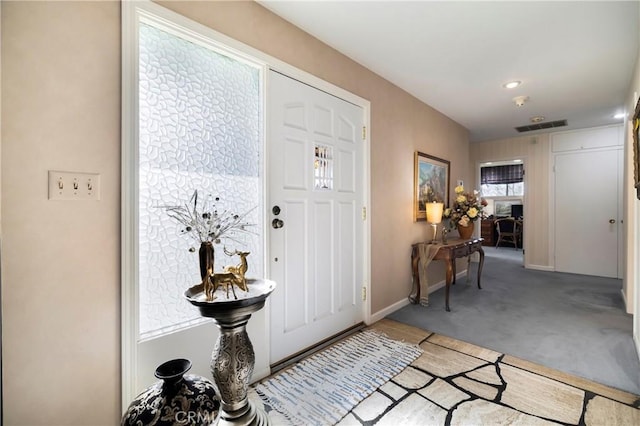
(323, 167)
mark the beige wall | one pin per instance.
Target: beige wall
(632, 212)
(534, 150)
(60, 266)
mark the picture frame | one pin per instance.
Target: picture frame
(635, 125)
(430, 183)
(502, 208)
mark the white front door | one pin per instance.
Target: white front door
(315, 217)
(588, 212)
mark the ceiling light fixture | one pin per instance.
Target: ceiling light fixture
(537, 119)
(512, 84)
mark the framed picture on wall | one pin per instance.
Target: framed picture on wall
(503, 208)
(431, 183)
(635, 123)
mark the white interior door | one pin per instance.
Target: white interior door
(587, 212)
(316, 182)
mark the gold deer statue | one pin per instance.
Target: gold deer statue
(213, 280)
(223, 278)
(240, 269)
(230, 276)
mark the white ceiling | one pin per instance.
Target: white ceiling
(575, 59)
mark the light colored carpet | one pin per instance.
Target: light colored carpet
(569, 322)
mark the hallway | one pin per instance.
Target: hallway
(573, 323)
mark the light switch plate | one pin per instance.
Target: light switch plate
(74, 186)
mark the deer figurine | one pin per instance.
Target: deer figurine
(209, 284)
(240, 269)
(227, 279)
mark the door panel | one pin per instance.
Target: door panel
(347, 171)
(295, 168)
(347, 253)
(587, 200)
(316, 178)
(295, 252)
(323, 267)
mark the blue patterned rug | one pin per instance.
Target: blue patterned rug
(322, 389)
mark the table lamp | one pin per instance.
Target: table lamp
(434, 217)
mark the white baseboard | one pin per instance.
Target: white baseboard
(624, 300)
(389, 310)
(404, 302)
(540, 267)
(259, 375)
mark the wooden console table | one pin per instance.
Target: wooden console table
(449, 253)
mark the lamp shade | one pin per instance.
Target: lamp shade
(434, 212)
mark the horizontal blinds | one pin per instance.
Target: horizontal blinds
(511, 173)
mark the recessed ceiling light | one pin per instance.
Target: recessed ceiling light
(619, 115)
(537, 119)
(512, 84)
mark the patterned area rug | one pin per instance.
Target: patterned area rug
(322, 389)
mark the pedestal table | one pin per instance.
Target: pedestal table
(233, 359)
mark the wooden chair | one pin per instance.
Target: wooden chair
(509, 231)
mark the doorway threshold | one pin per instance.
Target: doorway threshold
(315, 348)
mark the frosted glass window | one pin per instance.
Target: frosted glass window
(200, 128)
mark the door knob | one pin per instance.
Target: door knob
(612, 221)
(277, 223)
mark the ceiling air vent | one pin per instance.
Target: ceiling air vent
(540, 126)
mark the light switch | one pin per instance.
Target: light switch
(74, 186)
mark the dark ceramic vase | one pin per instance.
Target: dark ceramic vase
(178, 399)
(206, 255)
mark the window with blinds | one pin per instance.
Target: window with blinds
(502, 181)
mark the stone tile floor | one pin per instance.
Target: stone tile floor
(456, 383)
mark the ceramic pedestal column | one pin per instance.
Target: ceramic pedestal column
(233, 359)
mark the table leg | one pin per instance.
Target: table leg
(453, 265)
(449, 279)
(414, 297)
(480, 264)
